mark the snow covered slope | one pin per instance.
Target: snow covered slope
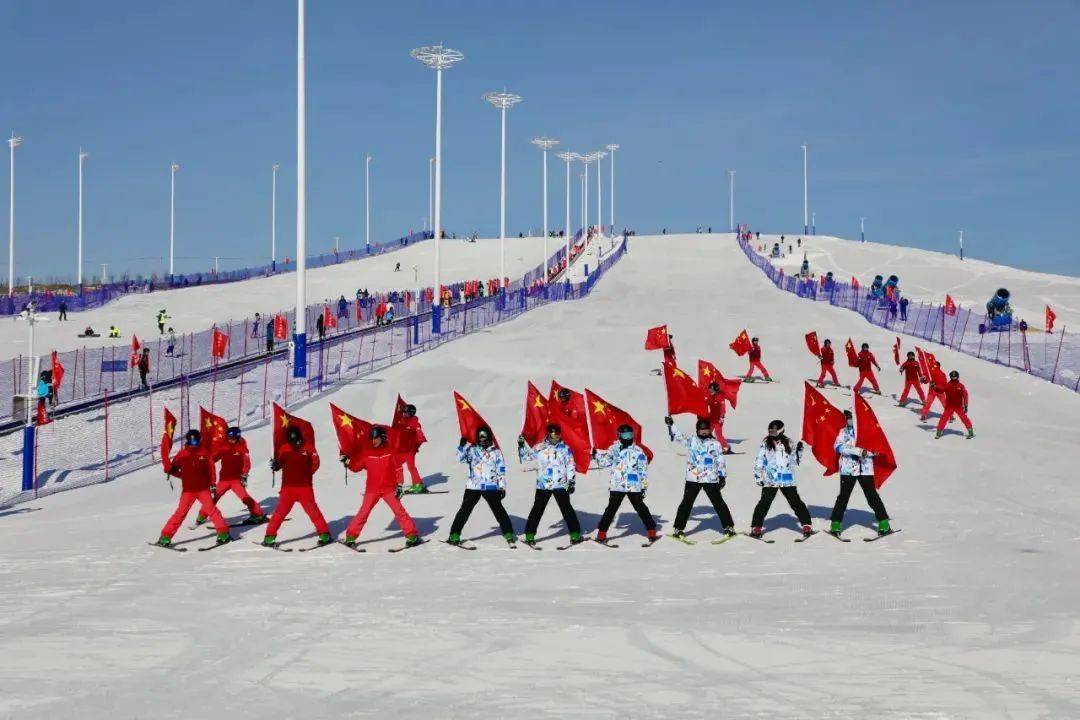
(928, 275)
(194, 309)
(970, 612)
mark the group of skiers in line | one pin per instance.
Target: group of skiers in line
(949, 391)
(775, 469)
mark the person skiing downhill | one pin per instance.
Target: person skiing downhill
(381, 463)
(706, 470)
(954, 397)
(865, 362)
(411, 437)
(913, 380)
(856, 467)
(161, 318)
(555, 473)
(195, 468)
(298, 464)
(486, 480)
(717, 412)
(774, 471)
(629, 467)
(235, 465)
(755, 361)
(828, 364)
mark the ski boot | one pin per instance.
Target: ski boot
(807, 531)
(937, 434)
(971, 433)
(728, 532)
(416, 489)
(200, 520)
(883, 528)
(164, 541)
(729, 451)
(836, 528)
(678, 535)
(256, 519)
(325, 539)
(350, 541)
(454, 539)
(530, 539)
(270, 540)
(601, 536)
(224, 537)
(510, 538)
(756, 533)
(576, 539)
(902, 403)
(414, 540)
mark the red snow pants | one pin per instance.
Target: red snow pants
(370, 499)
(206, 503)
(290, 495)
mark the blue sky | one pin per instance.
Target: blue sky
(924, 117)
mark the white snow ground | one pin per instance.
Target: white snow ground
(927, 275)
(195, 309)
(970, 612)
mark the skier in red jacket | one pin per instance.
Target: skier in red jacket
(298, 465)
(755, 360)
(955, 397)
(717, 413)
(195, 468)
(866, 361)
(828, 366)
(913, 379)
(381, 463)
(410, 436)
(938, 381)
(235, 466)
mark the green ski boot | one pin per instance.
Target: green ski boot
(224, 537)
(164, 541)
(510, 538)
(413, 540)
(350, 540)
(454, 539)
(270, 540)
(325, 539)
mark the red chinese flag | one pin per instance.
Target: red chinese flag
(1050, 318)
(741, 345)
(812, 343)
(281, 327)
(657, 338)
(399, 412)
(934, 371)
(605, 419)
(352, 432)
(408, 435)
(219, 344)
(167, 439)
(57, 372)
(573, 409)
(822, 422)
(683, 394)
(469, 421)
(950, 306)
(283, 421)
(924, 368)
(534, 427)
(896, 352)
(852, 356)
(575, 428)
(213, 429)
(870, 437)
(329, 321)
(729, 387)
(134, 351)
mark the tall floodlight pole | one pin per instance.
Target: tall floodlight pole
(430, 188)
(300, 319)
(172, 213)
(545, 143)
(367, 200)
(504, 101)
(273, 216)
(961, 244)
(79, 260)
(585, 160)
(599, 155)
(438, 58)
(805, 195)
(813, 223)
(567, 157)
(862, 229)
(13, 143)
(731, 200)
(612, 147)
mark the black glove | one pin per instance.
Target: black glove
(722, 482)
(274, 465)
(592, 453)
(463, 442)
(668, 421)
(570, 488)
(502, 493)
(521, 441)
(243, 480)
(344, 459)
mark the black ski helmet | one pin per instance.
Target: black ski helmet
(378, 431)
(192, 437)
(777, 425)
(626, 434)
(703, 424)
(410, 410)
(294, 436)
(483, 436)
(233, 433)
(564, 394)
(554, 429)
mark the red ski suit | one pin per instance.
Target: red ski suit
(195, 468)
(827, 366)
(938, 381)
(913, 380)
(717, 411)
(235, 466)
(381, 464)
(410, 438)
(955, 397)
(298, 469)
(755, 361)
(866, 361)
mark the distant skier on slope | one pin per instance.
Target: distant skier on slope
(161, 318)
(195, 468)
(629, 468)
(856, 466)
(381, 463)
(706, 470)
(866, 362)
(235, 465)
(774, 470)
(298, 464)
(555, 474)
(955, 398)
(486, 480)
(913, 380)
(755, 360)
(828, 364)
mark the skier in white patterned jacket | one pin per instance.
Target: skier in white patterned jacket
(555, 473)
(774, 470)
(486, 479)
(706, 470)
(856, 466)
(629, 467)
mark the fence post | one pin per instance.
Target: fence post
(106, 407)
(1061, 340)
(150, 402)
(29, 457)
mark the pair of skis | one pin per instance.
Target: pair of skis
(686, 541)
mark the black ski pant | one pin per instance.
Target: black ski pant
(791, 494)
(562, 497)
(866, 482)
(637, 499)
(690, 493)
(468, 502)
